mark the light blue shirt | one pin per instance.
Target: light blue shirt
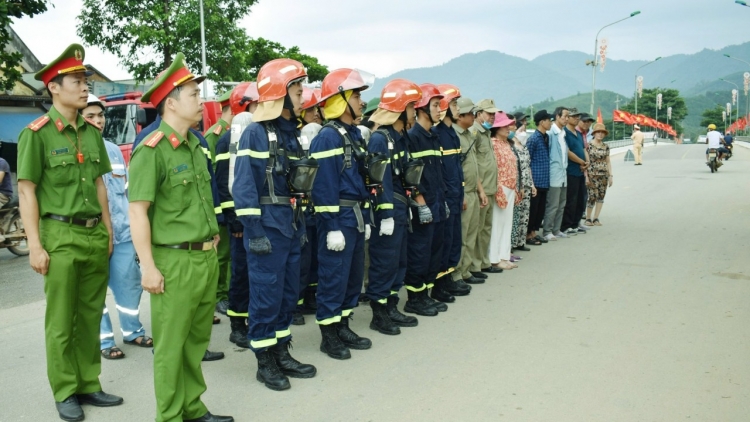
(558, 157)
(117, 194)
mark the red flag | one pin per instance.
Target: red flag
(599, 118)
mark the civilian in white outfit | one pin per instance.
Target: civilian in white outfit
(507, 195)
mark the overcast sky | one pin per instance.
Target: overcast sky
(391, 35)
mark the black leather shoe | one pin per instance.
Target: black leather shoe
(222, 307)
(238, 335)
(69, 409)
(492, 270)
(479, 275)
(462, 285)
(99, 399)
(211, 356)
(439, 294)
(416, 305)
(208, 417)
(298, 318)
(436, 305)
(473, 280)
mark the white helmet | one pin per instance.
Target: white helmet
(94, 100)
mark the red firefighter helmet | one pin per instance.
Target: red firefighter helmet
(242, 95)
(450, 93)
(429, 91)
(398, 93)
(310, 97)
(341, 80)
(275, 76)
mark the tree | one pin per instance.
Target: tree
(146, 34)
(10, 60)
(713, 115)
(670, 98)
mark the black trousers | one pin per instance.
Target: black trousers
(576, 202)
(538, 207)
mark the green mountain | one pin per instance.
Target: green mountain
(606, 100)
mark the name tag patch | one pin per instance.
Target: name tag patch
(180, 168)
(59, 151)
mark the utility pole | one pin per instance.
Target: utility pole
(617, 107)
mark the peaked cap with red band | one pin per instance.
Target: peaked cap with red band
(176, 75)
(69, 62)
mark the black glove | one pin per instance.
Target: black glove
(235, 226)
(260, 245)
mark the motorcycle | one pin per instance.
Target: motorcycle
(713, 160)
(728, 155)
(11, 227)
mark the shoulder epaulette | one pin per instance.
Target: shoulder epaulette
(217, 131)
(38, 123)
(154, 139)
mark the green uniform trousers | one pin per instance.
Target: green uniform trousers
(223, 250)
(181, 324)
(75, 287)
(470, 232)
(482, 251)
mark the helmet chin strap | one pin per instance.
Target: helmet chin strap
(450, 115)
(426, 110)
(349, 106)
(290, 106)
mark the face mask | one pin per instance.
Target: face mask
(487, 125)
(512, 135)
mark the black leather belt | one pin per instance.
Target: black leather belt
(85, 222)
(191, 246)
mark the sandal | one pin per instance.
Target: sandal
(216, 320)
(597, 222)
(146, 341)
(588, 222)
(112, 353)
(533, 241)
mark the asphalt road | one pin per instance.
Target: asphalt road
(642, 319)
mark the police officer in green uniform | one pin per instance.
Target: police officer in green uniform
(63, 202)
(175, 233)
(212, 135)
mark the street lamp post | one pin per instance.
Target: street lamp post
(594, 63)
(741, 3)
(203, 51)
(636, 81)
(738, 101)
(747, 99)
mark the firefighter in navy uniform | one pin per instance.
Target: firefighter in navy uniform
(394, 114)
(308, 273)
(338, 196)
(453, 175)
(265, 171)
(243, 98)
(424, 249)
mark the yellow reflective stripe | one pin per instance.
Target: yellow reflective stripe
(227, 204)
(312, 285)
(333, 208)
(292, 157)
(301, 301)
(327, 154)
(426, 153)
(223, 156)
(446, 272)
(329, 321)
(217, 210)
(247, 211)
(253, 154)
(384, 207)
(236, 314)
(206, 151)
(383, 301)
(415, 289)
(263, 343)
(394, 292)
(451, 151)
(346, 312)
(430, 285)
(367, 205)
(283, 333)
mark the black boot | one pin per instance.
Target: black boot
(349, 337)
(310, 303)
(454, 288)
(288, 365)
(397, 317)
(461, 284)
(269, 373)
(381, 321)
(416, 304)
(239, 332)
(438, 306)
(331, 344)
(297, 317)
(439, 293)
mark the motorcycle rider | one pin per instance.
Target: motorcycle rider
(714, 139)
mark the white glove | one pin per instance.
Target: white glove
(368, 231)
(335, 241)
(386, 226)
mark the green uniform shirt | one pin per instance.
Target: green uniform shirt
(170, 173)
(485, 159)
(212, 135)
(469, 163)
(48, 157)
